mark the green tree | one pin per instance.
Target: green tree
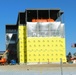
(69, 56)
(74, 54)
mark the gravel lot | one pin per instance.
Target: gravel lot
(50, 69)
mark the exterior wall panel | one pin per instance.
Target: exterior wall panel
(22, 44)
(45, 49)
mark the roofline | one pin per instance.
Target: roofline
(10, 24)
(38, 9)
(42, 9)
(61, 12)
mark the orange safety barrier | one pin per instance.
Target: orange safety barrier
(39, 20)
(42, 20)
(50, 20)
(33, 20)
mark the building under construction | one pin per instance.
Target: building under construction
(37, 37)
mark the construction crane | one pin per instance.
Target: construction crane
(4, 58)
(73, 45)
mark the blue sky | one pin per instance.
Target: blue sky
(9, 11)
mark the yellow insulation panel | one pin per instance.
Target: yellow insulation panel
(22, 43)
(45, 49)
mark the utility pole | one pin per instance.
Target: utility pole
(61, 66)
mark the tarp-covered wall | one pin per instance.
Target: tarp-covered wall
(45, 29)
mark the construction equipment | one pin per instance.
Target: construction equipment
(13, 62)
(4, 58)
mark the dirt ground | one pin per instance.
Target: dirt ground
(34, 67)
(40, 69)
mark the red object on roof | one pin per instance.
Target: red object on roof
(42, 20)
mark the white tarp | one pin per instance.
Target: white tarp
(8, 38)
(45, 29)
